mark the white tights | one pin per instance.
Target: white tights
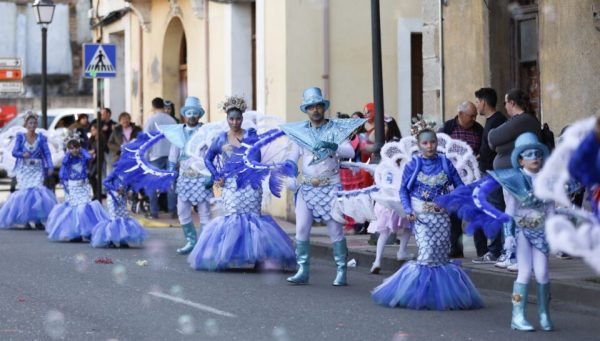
(304, 221)
(184, 211)
(530, 258)
(403, 235)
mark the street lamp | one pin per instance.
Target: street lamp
(44, 12)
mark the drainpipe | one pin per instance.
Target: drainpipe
(207, 59)
(442, 99)
(326, 50)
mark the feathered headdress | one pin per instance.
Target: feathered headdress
(234, 102)
(420, 124)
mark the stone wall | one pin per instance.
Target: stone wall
(569, 61)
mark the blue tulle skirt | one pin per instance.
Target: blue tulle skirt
(418, 286)
(25, 205)
(242, 241)
(118, 231)
(67, 222)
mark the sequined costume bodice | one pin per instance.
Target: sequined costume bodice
(426, 179)
(30, 171)
(235, 200)
(528, 212)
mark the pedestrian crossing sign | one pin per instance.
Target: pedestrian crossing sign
(99, 60)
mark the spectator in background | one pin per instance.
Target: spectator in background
(95, 157)
(502, 139)
(462, 127)
(486, 100)
(391, 130)
(170, 109)
(122, 134)
(82, 127)
(106, 126)
(367, 137)
(159, 153)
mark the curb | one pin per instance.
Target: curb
(573, 292)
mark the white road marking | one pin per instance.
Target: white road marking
(192, 304)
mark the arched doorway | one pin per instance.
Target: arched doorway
(174, 64)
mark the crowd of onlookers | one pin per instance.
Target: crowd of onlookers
(493, 144)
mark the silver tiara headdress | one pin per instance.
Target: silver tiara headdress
(234, 102)
(72, 135)
(420, 124)
(30, 114)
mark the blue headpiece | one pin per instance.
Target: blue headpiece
(313, 96)
(527, 141)
(192, 107)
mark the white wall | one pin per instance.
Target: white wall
(238, 51)
(8, 30)
(116, 86)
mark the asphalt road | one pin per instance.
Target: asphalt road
(64, 291)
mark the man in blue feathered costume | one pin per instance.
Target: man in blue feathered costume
(322, 143)
(194, 187)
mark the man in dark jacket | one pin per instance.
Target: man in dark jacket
(486, 100)
(462, 127)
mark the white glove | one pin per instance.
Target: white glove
(292, 184)
(510, 243)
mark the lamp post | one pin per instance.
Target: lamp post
(44, 12)
(377, 80)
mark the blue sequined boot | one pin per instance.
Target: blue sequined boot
(519, 301)
(189, 231)
(303, 260)
(543, 298)
(340, 253)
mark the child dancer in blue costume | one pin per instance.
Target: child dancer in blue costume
(523, 222)
(121, 230)
(32, 202)
(74, 219)
(244, 237)
(526, 229)
(430, 282)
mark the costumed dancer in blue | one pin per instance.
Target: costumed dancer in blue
(584, 165)
(322, 142)
(526, 228)
(74, 219)
(31, 204)
(243, 237)
(430, 282)
(194, 182)
(121, 230)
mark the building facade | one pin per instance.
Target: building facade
(548, 48)
(268, 51)
(21, 38)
